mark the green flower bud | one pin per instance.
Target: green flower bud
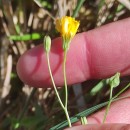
(114, 81)
(47, 43)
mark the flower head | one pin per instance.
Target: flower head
(67, 26)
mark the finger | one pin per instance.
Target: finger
(96, 54)
(119, 112)
(102, 127)
(118, 116)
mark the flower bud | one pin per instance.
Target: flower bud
(114, 81)
(47, 43)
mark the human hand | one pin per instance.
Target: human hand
(102, 127)
(96, 54)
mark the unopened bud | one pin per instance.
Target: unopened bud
(47, 43)
(114, 81)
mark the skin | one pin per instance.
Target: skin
(98, 53)
(102, 127)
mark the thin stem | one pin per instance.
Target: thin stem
(108, 106)
(65, 80)
(68, 118)
(83, 120)
(121, 91)
(79, 4)
(25, 108)
(27, 103)
(111, 99)
(57, 94)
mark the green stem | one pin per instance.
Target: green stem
(108, 106)
(67, 116)
(79, 4)
(57, 94)
(83, 120)
(55, 89)
(121, 91)
(27, 103)
(111, 99)
(65, 80)
(25, 108)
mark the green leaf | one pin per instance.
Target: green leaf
(76, 10)
(26, 37)
(44, 4)
(86, 113)
(78, 116)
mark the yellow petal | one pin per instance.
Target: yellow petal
(67, 26)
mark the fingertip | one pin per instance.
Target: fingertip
(28, 65)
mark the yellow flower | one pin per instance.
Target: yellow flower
(67, 26)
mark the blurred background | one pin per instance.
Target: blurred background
(23, 25)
